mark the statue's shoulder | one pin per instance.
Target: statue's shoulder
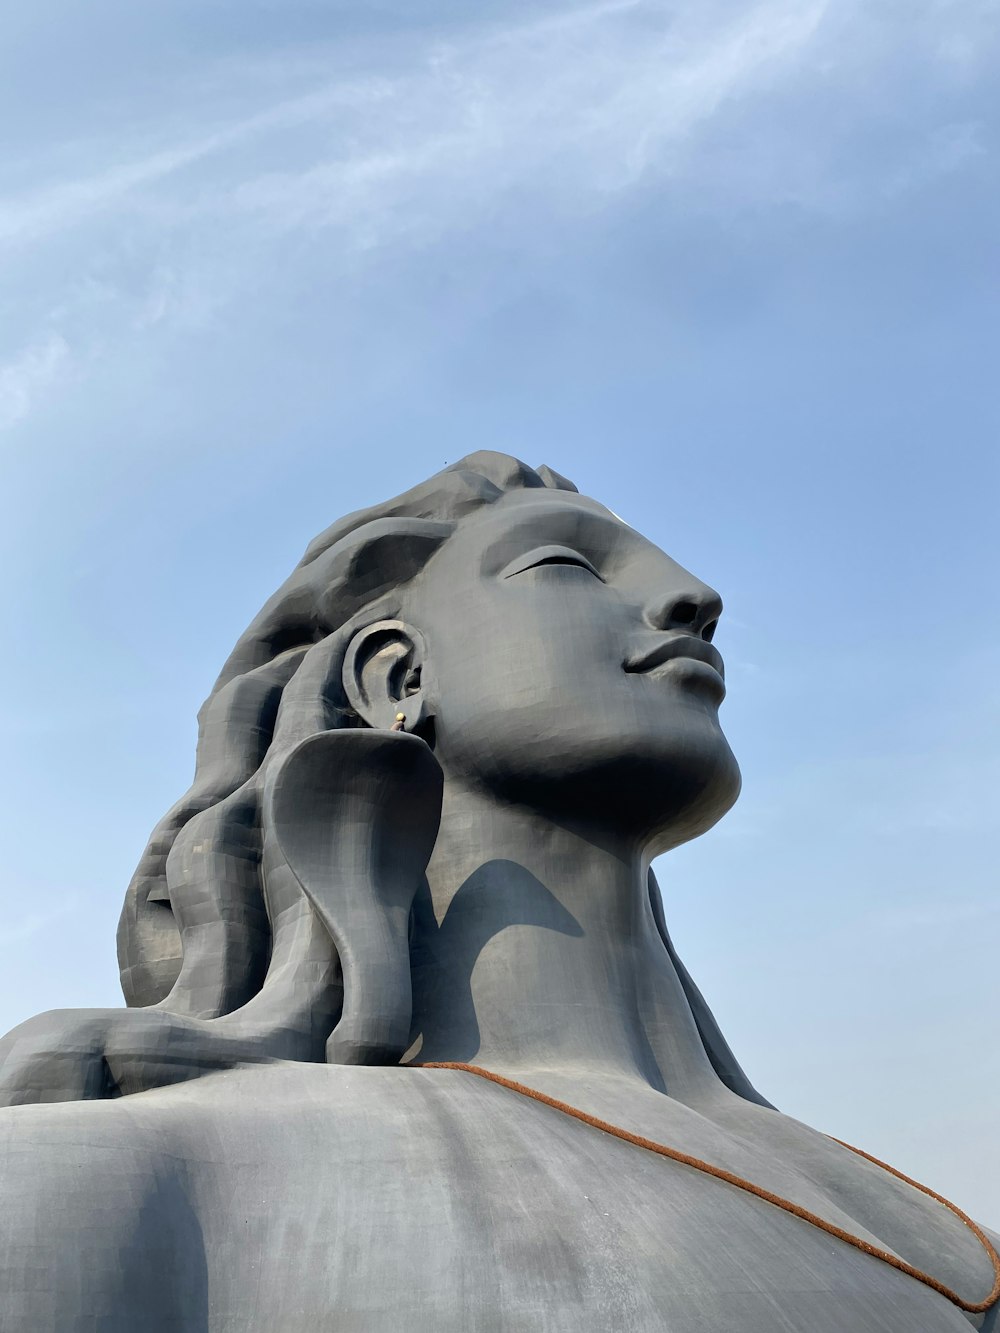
(120, 1205)
(274, 1122)
(240, 1110)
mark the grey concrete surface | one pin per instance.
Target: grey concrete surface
(244, 1146)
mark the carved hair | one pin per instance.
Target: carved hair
(197, 930)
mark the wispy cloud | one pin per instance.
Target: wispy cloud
(601, 92)
(568, 112)
(518, 130)
(29, 217)
(29, 374)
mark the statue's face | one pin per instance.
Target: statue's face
(571, 670)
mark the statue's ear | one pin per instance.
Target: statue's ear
(385, 674)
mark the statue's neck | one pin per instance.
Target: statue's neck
(535, 948)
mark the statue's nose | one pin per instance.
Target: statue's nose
(694, 608)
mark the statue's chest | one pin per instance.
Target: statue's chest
(413, 1222)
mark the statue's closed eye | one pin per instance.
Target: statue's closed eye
(548, 555)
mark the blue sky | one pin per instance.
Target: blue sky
(730, 266)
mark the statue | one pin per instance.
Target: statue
(430, 782)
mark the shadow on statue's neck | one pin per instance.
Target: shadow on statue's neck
(535, 947)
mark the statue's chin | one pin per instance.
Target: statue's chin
(704, 813)
(679, 802)
(655, 794)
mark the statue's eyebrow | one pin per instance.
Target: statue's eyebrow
(592, 534)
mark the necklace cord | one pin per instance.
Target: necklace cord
(675, 1155)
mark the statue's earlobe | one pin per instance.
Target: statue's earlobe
(385, 674)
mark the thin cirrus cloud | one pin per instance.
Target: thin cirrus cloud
(34, 371)
(574, 108)
(595, 88)
(484, 127)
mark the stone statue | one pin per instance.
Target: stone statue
(430, 782)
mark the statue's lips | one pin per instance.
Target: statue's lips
(677, 648)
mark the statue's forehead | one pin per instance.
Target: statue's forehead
(544, 514)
